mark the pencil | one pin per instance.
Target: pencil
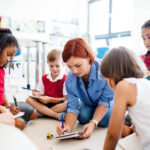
(29, 89)
(15, 101)
(62, 119)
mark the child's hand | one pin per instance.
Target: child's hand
(3, 109)
(34, 93)
(87, 130)
(44, 99)
(67, 129)
(7, 118)
(14, 109)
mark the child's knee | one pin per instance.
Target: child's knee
(65, 104)
(34, 115)
(19, 123)
(29, 100)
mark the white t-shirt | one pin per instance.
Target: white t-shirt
(140, 112)
(40, 86)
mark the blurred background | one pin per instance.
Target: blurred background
(43, 25)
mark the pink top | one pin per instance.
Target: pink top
(2, 74)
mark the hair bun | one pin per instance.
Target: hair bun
(5, 30)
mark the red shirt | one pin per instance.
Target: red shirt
(2, 75)
(146, 59)
(53, 89)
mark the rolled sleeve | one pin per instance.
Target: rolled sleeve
(107, 96)
(72, 101)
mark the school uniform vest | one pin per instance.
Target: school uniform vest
(53, 89)
(146, 59)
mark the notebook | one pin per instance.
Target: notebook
(19, 114)
(68, 135)
(35, 97)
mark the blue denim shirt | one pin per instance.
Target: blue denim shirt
(97, 93)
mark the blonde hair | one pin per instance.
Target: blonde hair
(120, 63)
(54, 54)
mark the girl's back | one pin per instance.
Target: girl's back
(140, 112)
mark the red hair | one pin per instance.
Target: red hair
(77, 47)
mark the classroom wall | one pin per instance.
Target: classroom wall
(141, 13)
(63, 10)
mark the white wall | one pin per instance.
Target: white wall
(63, 10)
(141, 13)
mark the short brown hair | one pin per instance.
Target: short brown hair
(146, 24)
(77, 47)
(120, 63)
(54, 54)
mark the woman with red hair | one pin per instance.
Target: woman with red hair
(89, 98)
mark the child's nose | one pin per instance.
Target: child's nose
(8, 58)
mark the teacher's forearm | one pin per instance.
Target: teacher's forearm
(100, 112)
(71, 119)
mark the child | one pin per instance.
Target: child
(145, 31)
(8, 48)
(52, 94)
(124, 72)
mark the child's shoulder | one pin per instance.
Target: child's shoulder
(124, 87)
(127, 92)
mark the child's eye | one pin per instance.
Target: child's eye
(78, 66)
(9, 54)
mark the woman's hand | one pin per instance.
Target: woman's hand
(7, 118)
(14, 109)
(60, 131)
(87, 129)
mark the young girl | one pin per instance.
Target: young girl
(124, 72)
(89, 98)
(52, 94)
(145, 30)
(8, 48)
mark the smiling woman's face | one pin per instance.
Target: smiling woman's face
(7, 54)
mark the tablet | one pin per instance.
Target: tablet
(68, 135)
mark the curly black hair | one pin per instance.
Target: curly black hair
(6, 39)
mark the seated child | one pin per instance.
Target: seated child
(8, 48)
(52, 101)
(125, 74)
(145, 31)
